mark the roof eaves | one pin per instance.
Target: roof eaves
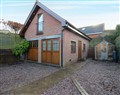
(93, 33)
(77, 31)
(73, 28)
(63, 21)
(59, 18)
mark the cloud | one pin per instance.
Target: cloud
(110, 20)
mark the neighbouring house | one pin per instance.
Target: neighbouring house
(9, 27)
(5, 28)
(53, 40)
(93, 31)
(103, 50)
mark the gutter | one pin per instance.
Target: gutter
(73, 28)
(62, 47)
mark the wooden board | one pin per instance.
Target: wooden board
(50, 51)
(32, 54)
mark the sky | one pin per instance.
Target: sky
(78, 12)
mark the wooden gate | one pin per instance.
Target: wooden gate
(79, 50)
(51, 51)
(33, 51)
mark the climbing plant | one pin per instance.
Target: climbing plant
(20, 48)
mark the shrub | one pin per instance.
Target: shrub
(20, 48)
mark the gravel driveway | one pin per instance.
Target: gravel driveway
(100, 78)
(12, 76)
(64, 87)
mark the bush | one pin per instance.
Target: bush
(20, 48)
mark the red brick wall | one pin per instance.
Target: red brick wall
(67, 55)
(50, 26)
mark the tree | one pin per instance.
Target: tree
(15, 25)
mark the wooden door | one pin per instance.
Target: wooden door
(55, 51)
(50, 51)
(44, 51)
(79, 50)
(33, 51)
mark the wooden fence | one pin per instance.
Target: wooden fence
(91, 53)
(6, 56)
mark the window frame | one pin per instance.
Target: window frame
(55, 46)
(73, 47)
(40, 32)
(84, 47)
(33, 44)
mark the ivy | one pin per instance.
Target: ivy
(20, 48)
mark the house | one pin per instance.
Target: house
(53, 40)
(5, 28)
(103, 50)
(93, 31)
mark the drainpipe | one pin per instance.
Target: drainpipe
(62, 47)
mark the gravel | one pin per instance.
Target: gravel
(100, 78)
(12, 76)
(64, 87)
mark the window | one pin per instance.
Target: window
(84, 47)
(44, 45)
(73, 47)
(55, 45)
(49, 45)
(33, 44)
(40, 23)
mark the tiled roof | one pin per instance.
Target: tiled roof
(92, 29)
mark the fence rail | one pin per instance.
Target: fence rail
(6, 57)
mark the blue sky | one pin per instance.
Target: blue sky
(79, 12)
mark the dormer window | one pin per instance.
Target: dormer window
(40, 23)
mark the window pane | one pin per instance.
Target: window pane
(41, 18)
(35, 43)
(40, 26)
(49, 45)
(84, 47)
(73, 47)
(30, 44)
(55, 45)
(40, 23)
(44, 45)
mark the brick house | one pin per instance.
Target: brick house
(93, 31)
(53, 40)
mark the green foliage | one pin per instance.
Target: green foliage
(117, 37)
(117, 42)
(95, 41)
(109, 38)
(20, 48)
(8, 40)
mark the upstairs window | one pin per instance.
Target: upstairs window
(40, 23)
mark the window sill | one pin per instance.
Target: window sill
(73, 52)
(39, 33)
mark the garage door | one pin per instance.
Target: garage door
(51, 51)
(33, 51)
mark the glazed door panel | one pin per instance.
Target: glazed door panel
(50, 51)
(55, 51)
(33, 51)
